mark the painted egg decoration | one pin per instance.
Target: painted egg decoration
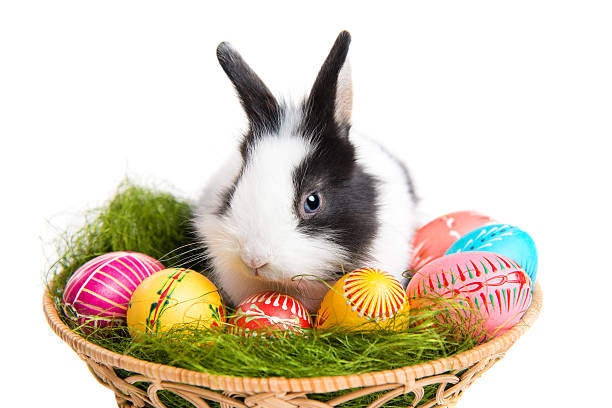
(502, 239)
(433, 239)
(269, 311)
(491, 284)
(362, 296)
(175, 296)
(99, 292)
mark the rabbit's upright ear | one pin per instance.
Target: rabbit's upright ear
(331, 97)
(261, 107)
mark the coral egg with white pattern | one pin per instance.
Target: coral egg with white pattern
(433, 239)
(270, 311)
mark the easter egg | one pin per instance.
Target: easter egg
(98, 293)
(270, 311)
(492, 285)
(502, 239)
(175, 296)
(362, 296)
(433, 239)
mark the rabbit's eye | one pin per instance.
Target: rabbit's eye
(312, 203)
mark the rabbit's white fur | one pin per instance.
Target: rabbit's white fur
(261, 221)
(258, 242)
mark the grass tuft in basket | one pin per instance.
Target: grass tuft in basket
(138, 219)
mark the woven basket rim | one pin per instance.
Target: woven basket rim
(404, 375)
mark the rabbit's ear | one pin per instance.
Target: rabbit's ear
(331, 97)
(261, 107)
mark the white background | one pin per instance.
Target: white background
(504, 109)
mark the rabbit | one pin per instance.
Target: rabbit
(305, 199)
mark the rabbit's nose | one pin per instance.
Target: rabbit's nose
(254, 261)
(255, 254)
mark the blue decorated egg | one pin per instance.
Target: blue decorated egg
(503, 239)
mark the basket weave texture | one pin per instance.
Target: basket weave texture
(451, 376)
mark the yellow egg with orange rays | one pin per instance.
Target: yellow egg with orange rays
(364, 296)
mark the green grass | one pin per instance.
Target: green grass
(316, 353)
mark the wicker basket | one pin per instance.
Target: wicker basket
(449, 375)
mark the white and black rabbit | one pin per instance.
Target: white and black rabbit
(305, 199)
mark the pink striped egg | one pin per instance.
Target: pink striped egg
(494, 286)
(99, 292)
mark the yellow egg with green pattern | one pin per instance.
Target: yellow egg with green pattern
(364, 299)
(172, 297)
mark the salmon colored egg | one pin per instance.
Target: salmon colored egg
(433, 239)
